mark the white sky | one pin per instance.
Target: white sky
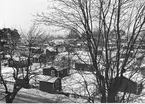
(18, 13)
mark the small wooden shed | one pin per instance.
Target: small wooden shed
(50, 84)
(56, 71)
(129, 86)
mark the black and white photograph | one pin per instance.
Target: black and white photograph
(72, 51)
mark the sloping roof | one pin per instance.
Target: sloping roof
(50, 48)
(58, 68)
(46, 78)
(36, 56)
(53, 79)
(35, 47)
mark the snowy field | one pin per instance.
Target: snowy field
(76, 83)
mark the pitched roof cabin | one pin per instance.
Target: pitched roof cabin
(50, 84)
(56, 71)
(128, 85)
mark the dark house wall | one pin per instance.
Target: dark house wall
(129, 86)
(46, 87)
(50, 87)
(47, 71)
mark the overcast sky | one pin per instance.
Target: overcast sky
(18, 13)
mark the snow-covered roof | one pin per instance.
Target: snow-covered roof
(53, 79)
(17, 58)
(23, 57)
(35, 47)
(7, 56)
(50, 48)
(7, 70)
(47, 78)
(37, 55)
(58, 41)
(136, 77)
(58, 68)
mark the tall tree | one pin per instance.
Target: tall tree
(104, 15)
(34, 37)
(12, 38)
(9, 39)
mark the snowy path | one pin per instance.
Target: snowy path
(24, 97)
(36, 96)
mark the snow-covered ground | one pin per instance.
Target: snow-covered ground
(70, 84)
(37, 96)
(75, 83)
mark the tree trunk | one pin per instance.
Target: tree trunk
(4, 83)
(103, 99)
(111, 98)
(102, 89)
(8, 99)
(113, 90)
(11, 96)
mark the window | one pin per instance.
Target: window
(52, 73)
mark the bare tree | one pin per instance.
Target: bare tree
(9, 42)
(34, 37)
(119, 23)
